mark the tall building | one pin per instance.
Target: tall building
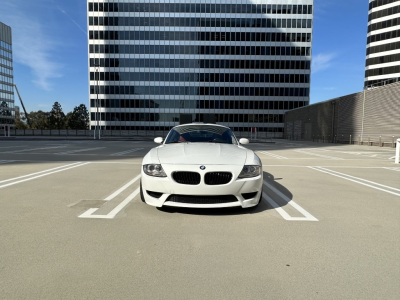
(17, 112)
(383, 43)
(7, 114)
(240, 63)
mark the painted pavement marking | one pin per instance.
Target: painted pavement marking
(281, 211)
(126, 152)
(358, 180)
(319, 155)
(77, 151)
(393, 169)
(28, 150)
(272, 155)
(89, 213)
(13, 147)
(46, 173)
(6, 161)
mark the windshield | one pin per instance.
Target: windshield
(201, 134)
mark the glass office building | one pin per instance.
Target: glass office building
(383, 43)
(7, 114)
(241, 63)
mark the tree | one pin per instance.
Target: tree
(79, 118)
(56, 117)
(39, 119)
(68, 118)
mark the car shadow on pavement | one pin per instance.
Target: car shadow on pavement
(229, 211)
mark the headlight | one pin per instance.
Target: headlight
(250, 171)
(154, 170)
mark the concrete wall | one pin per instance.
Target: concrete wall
(116, 133)
(312, 120)
(371, 115)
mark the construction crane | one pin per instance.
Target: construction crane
(23, 106)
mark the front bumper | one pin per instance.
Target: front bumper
(167, 186)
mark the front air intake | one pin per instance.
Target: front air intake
(200, 199)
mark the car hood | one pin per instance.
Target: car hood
(202, 153)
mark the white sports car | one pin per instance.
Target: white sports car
(203, 166)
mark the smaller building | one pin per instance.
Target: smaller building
(369, 116)
(7, 113)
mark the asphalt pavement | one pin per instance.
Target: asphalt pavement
(72, 226)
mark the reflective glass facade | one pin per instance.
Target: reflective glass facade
(240, 63)
(7, 114)
(383, 43)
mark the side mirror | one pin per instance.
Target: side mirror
(158, 140)
(244, 141)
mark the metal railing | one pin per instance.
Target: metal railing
(381, 83)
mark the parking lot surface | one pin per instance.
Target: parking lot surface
(72, 226)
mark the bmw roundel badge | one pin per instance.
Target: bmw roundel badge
(202, 167)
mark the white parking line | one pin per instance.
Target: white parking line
(365, 154)
(75, 165)
(272, 155)
(281, 211)
(116, 162)
(6, 161)
(372, 184)
(318, 149)
(126, 152)
(263, 144)
(89, 213)
(28, 150)
(119, 191)
(15, 178)
(393, 169)
(360, 179)
(12, 147)
(76, 151)
(320, 155)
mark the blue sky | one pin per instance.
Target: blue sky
(50, 50)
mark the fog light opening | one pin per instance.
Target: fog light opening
(154, 194)
(248, 196)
